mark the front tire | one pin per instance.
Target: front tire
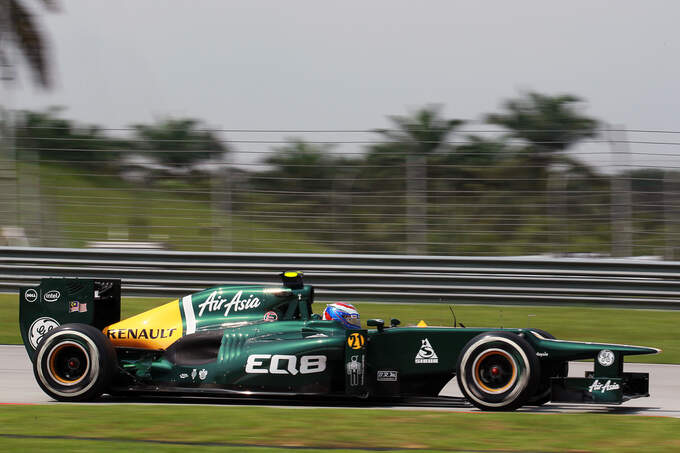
(497, 371)
(74, 362)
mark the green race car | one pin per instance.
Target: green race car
(267, 341)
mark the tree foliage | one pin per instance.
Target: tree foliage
(28, 38)
(546, 125)
(51, 138)
(301, 166)
(514, 192)
(178, 142)
(421, 133)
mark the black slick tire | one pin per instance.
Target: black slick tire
(497, 371)
(74, 362)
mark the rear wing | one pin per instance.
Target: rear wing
(57, 301)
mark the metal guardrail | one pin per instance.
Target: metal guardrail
(398, 278)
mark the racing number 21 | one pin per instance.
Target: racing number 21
(355, 340)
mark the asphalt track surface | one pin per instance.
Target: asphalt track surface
(19, 387)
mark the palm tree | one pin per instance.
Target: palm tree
(419, 136)
(302, 166)
(178, 142)
(549, 124)
(57, 139)
(20, 30)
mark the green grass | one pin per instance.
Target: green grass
(9, 319)
(656, 328)
(91, 207)
(124, 426)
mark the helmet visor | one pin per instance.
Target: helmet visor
(352, 319)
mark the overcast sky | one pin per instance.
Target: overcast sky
(317, 64)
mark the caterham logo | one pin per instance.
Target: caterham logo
(426, 353)
(215, 303)
(51, 296)
(285, 364)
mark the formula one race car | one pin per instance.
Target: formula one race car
(265, 340)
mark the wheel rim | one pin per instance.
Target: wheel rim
(494, 371)
(54, 387)
(466, 372)
(68, 363)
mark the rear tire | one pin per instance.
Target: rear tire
(497, 371)
(74, 362)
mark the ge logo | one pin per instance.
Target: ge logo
(39, 328)
(356, 341)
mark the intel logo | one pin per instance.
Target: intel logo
(51, 296)
(31, 295)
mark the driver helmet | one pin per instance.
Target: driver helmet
(344, 313)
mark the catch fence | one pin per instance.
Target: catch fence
(344, 191)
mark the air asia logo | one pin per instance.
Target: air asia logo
(426, 353)
(139, 334)
(31, 295)
(39, 328)
(285, 364)
(607, 386)
(51, 296)
(215, 303)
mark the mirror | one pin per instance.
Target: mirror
(379, 323)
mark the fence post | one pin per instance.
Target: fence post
(416, 203)
(8, 172)
(221, 205)
(621, 196)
